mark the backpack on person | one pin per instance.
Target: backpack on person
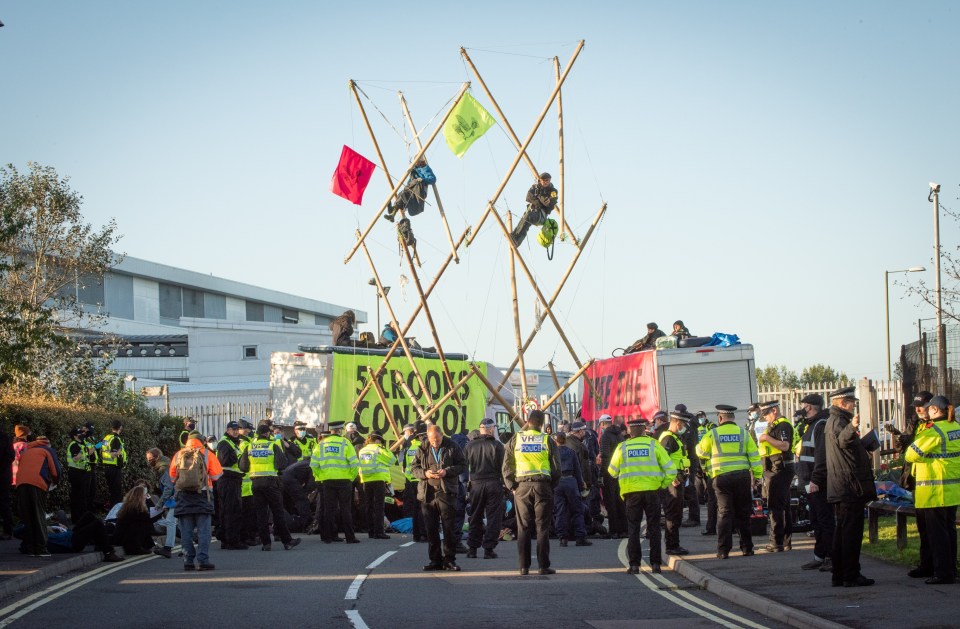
(547, 235)
(191, 470)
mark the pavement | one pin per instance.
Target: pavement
(774, 585)
(20, 572)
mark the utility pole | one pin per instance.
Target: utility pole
(934, 197)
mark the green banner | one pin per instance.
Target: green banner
(466, 124)
(352, 372)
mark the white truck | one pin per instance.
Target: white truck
(320, 384)
(640, 384)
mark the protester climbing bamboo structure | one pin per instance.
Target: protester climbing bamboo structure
(431, 406)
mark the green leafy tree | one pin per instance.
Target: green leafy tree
(777, 376)
(822, 374)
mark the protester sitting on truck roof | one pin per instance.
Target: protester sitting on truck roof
(680, 331)
(647, 342)
(342, 328)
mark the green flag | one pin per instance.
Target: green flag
(468, 122)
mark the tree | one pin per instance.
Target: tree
(822, 374)
(777, 376)
(47, 251)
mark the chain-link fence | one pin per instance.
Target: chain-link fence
(919, 364)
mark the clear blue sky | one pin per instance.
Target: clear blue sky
(763, 163)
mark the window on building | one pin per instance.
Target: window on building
(250, 352)
(290, 316)
(192, 303)
(254, 311)
(214, 306)
(118, 291)
(171, 302)
(90, 290)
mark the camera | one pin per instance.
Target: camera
(934, 187)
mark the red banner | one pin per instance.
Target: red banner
(352, 175)
(625, 387)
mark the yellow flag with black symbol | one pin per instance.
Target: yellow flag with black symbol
(468, 121)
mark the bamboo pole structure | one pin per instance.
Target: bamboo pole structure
(413, 399)
(516, 318)
(560, 391)
(399, 184)
(373, 137)
(496, 394)
(436, 405)
(393, 318)
(556, 293)
(564, 411)
(436, 195)
(521, 146)
(410, 321)
(386, 407)
(426, 311)
(533, 283)
(564, 228)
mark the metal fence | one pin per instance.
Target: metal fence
(919, 363)
(212, 412)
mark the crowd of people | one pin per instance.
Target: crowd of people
(255, 486)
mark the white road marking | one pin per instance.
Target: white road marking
(55, 592)
(382, 558)
(354, 617)
(354, 588)
(647, 581)
(407, 544)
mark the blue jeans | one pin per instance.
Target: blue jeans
(202, 523)
(170, 522)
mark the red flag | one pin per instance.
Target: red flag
(352, 175)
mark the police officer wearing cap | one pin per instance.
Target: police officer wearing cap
(531, 470)
(189, 425)
(577, 440)
(734, 464)
(849, 486)
(776, 456)
(335, 465)
(113, 458)
(935, 455)
(673, 494)
(229, 489)
(263, 459)
(80, 459)
(484, 457)
(250, 532)
(304, 441)
(643, 468)
(375, 462)
(610, 440)
(812, 472)
(703, 481)
(913, 425)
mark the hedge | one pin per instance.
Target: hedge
(54, 419)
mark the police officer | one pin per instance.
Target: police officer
(935, 455)
(531, 470)
(610, 439)
(577, 440)
(335, 464)
(673, 494)
(643, 468)
(484, 457)
(229, 489)
(813, 480)
(304, 441)
(912, 426)
(375, 462)
(79, 471)
(703, 479)
(567, 503)
(113, 456)
(262, 460)
(776, 455)
(406, 449)
(189, 425)
(249, 531)
(734, 464)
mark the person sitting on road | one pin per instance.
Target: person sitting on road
(134, 525)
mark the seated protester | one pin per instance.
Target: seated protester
(297, 481)
(88, 530)
(413, 196)
(342, 329)
(680, 331)
(135, 524)
(647, 342)
(388, 335)
(160, 464)
(541, 199)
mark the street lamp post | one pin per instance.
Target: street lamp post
(886, 284)
(386, 291)
(934, 197)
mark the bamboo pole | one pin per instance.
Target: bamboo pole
(436, 405)
(533, 283)
(426, 311)
(399, 184)
(564, 228)
(522, 146)
(583, 368)
(393, 318)
(556, 293)
(386, 407)
(436, 195)
(409, 324)
(373, 137)
(516, 318)
(564, 411)
(496, 394)
(413, 399)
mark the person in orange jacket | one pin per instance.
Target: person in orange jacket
(194, 500)
(39, 470)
